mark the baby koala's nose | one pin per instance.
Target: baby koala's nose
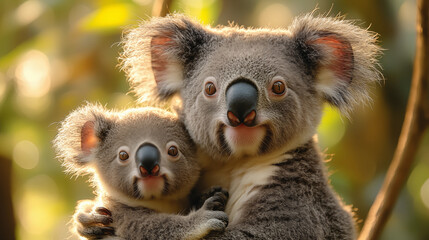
(148, 159)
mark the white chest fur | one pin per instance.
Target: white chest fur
(242, 188)
(241, 179)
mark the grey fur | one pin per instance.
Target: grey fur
(138, 212)
(320, 59)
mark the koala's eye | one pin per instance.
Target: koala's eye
(279, 87)
(210, 89)
(123, 155)
(173, 151)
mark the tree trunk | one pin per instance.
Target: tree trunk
(7, 221)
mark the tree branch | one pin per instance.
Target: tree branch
(161, 8)
(415, 123)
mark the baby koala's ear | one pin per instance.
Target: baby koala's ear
(341, 56)
(88, 137)
(80, 136)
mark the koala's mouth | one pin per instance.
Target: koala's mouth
(149, 187)
(244, 140)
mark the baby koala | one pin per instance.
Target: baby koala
(143, 165)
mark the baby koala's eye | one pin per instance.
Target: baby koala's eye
(173, 151)
(210, 89)
(278, 87)
(123, 155)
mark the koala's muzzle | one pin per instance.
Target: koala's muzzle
(241, 100)
(147, 159)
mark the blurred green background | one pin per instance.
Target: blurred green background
(55, 54)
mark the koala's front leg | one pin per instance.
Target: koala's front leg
(92, 222)
(139, 223)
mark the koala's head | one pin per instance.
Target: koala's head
(137, 154)
(248, 92)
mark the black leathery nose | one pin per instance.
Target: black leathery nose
(241, 100)
(148, 158)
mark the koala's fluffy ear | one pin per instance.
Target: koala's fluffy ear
(165, 46)
(80, 135)
(342, 57)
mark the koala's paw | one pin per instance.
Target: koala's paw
(206, 222)
(217, 200)
(112, 238)
(198, 199)
(93, 224)
(213, 190)
(215, 219)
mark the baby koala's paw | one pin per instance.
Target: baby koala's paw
(200, 199)
(216, 221)
(93, 224)
(217, 200)
(206, 222)
(214, 207)
(113, 238)
(210, 217)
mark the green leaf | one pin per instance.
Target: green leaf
(108, 18)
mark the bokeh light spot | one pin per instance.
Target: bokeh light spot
(33, 107)
(28, 11)
(407, 14)
(416, 179)
(424, 193)
(40, 205)
(275, 15)
(33, 74)
(143, 2)
(206, 11)
(3, 86)
(331, 128)
(26, 154)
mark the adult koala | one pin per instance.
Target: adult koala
(252, 100)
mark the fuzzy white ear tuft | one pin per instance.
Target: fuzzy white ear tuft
(341, 56)
(329, 84)
(166, 47)
(166, 66)
(170, 79)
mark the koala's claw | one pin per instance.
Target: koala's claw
(91, 219)
(216, 189)
(213, 191)
(214, 206)
(95, 232)
(103, 211)
(217, 202)
(93, 224)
